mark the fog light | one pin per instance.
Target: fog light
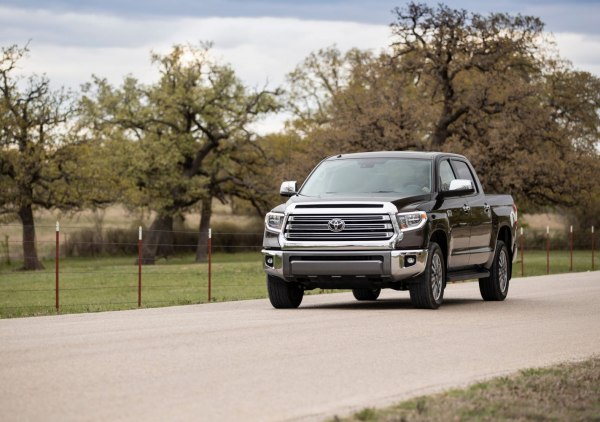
(269, 261)
(411, 260)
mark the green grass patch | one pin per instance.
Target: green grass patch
(568, 392)
(535, 262)
(110, 283)
(100, 284)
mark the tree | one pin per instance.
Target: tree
(453, 81)
(40, 156)
(176, 132)
(445, 47)
(234, 172)
(363, 102)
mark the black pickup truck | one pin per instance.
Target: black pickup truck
(399, 220)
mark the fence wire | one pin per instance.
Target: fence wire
(92, 263)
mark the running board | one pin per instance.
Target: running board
(467, 274)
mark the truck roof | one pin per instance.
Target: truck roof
(394, 154)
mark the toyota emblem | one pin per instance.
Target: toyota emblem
(336, 225)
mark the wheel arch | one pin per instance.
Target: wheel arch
(440, 237)
(505, 235)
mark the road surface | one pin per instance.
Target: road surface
(247, 361)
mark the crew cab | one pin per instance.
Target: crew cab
(398, 220)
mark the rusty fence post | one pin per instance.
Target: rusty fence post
(522, 254)
(571, 248)
(140, 267)
(56, 264)
(547, 249)
(7, 248)
(209, 253)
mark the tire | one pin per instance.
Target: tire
(428, 293)
(495, 287)
(284, 295)
(366, 294)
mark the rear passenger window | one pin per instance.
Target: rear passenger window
(446, 175)
(463, 172)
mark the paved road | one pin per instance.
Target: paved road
(246, 361)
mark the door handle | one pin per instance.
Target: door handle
(466, 208)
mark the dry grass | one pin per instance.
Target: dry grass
(538, 222)
(113, 217)
(567, 392)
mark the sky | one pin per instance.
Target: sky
(263, 40)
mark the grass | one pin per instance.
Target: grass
(567, 392)
(535, 262)
(100, 284)
(110, 283)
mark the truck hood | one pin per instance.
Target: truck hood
(403, 203)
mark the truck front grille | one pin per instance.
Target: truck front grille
(342, 227)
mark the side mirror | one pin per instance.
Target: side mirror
(288, 188)
(458, 187)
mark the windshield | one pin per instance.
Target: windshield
(351, 176)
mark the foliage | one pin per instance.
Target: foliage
(461, 58)
(184, 139)
(490, 87)
(483, 86)
(43, 163)
(289, 158)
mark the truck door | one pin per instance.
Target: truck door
(480, 217)
(457, 211)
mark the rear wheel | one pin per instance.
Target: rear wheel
(429, 292)
(284, 295)
(495, 287)
(366, 294)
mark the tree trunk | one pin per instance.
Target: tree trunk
(440, 134)
(158, 241)
(30, 256)
(206, 214)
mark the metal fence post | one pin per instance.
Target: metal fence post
(56, 264)
(209, 252)
(7, 249)
(547, 249)
(140, 267)
(522, 254)
(571, 247)
(593, 247)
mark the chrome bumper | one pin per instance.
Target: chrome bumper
(395, 265)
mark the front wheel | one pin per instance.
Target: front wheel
(284, 295)
(429, 292)
(495, 287)
(366, 294)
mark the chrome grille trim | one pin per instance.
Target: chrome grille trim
(314, 227)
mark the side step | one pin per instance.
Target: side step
(467, 274)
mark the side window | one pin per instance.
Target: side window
(446, 175)
(463, 172)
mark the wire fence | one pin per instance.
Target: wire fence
(86, 269)
(93, 270)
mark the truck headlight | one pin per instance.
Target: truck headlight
(274, 221)
(411, 220)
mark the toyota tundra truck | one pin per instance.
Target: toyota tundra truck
(389, 220)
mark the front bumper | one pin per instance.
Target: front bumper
(395, 265)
